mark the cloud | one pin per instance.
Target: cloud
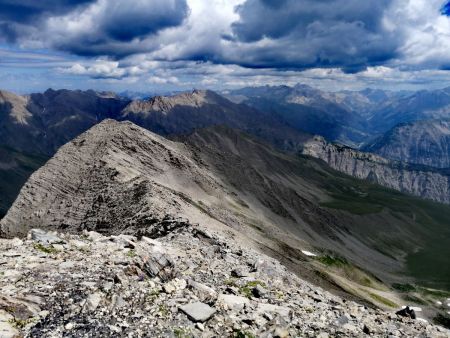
(308, 33)
(91, 28)
(27, 10)
(220, 43)
(101, 69)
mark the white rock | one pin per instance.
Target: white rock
(44, 237)
(174, 285)
(232, 302)
(69, 326)
(93, 301)
(203, 292)
(271, 308)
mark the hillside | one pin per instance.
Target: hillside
(119, 178)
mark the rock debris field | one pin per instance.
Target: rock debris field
(187, 283)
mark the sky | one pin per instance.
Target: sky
(167, 45)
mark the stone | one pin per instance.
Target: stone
(198, 312)
(121, 278)
(280, 333)
(342, 320)
(239, 273)
(159, 264)
(232, 302)
(80, 245)
(117, 302)
(322, 335)
(203, 292)
(66, 265)
(276, 309)
(259, 291)
(93, 301)
(93, 236)
(69, 326)
(43, 237)
(174, 285)
(407, 312)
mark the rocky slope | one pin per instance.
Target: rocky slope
(429, 184)
(422, 142)
(186, 282)
(119, 178)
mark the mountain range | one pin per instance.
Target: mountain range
(298, 174)
(286, 117)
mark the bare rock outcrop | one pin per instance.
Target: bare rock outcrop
(430, 184)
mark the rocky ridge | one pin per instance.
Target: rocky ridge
(164, 104)
(184, 282)
(430, 184)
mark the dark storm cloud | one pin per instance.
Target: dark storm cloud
(23, 11)
(314, 33)
(110, 25)
(126, 22)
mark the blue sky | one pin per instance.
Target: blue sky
(161, 45)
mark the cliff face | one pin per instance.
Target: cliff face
(431, 184)
(423, 142)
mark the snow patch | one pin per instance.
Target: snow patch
(309, 253)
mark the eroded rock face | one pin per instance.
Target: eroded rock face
(430, 184)
(422, 142)
(101, 291)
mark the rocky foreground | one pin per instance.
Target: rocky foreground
(185, 283)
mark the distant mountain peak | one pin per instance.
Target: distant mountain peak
(196, 98)
(17, 106)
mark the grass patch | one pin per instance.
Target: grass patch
(152, 295)
(131, 253)
(414, 299)
(243, 334)
(383, 300)
(181, 332)
(247, 289)
(231, 282)
(404, 287)
(333, 261)
(21, 323)
(353, 207)
(164, 310)
(45, 249)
